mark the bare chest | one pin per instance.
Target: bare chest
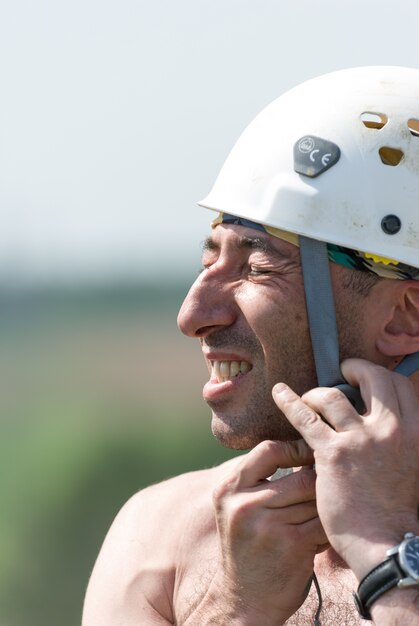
(338, 608)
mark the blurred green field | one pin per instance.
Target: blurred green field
(100, 395)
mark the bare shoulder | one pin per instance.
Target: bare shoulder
(171, 501)
(153, 532)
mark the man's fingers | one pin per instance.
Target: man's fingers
(407, 397)
(304, 419)
(295, 513)
(315, 530)
(376, 384)
(387, 394)
(265, 458)
(299, 486)
(333, 406)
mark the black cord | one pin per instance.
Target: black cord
(319, 596)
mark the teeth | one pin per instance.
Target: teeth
(225, 370)
(234, 368)
(245, 367)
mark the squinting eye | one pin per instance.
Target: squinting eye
(258, 272)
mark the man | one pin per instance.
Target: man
(318, 203)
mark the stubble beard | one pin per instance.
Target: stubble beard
(243, 431)
(260, 419)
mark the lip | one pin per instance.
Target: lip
(213, 388)
(212, 355)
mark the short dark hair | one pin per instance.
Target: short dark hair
(360, 282)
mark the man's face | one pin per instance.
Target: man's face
(247, 307)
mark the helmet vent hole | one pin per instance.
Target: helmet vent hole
(390, 156)
(377, 121)
(413, 126)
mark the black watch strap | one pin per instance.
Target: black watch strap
(379, 580)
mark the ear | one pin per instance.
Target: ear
(399, 334)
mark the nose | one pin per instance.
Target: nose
(208, 306)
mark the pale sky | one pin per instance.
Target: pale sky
(116, 116)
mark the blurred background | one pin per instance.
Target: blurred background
(115, 118)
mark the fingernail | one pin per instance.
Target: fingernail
(279, 388)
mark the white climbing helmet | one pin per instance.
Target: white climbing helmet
(335, 159)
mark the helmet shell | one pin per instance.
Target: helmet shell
(365, 111)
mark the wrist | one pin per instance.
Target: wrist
(366, 553)
(402, 603)
(397, 571)
(371, 556)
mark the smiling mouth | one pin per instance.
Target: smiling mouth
(226, 370)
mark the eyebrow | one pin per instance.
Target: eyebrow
(246, 242)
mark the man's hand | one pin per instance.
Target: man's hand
(269, 534)
(367, 465)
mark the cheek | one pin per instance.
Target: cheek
(275, 314)
(284, 331)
